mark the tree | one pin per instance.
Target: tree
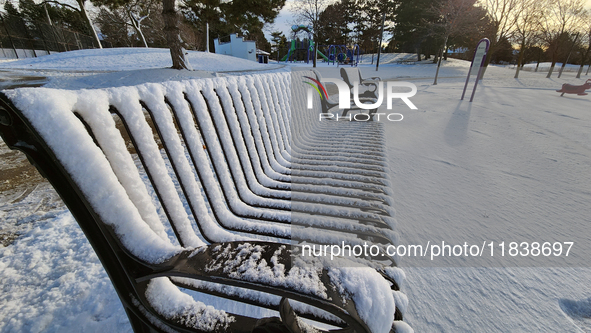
(309, 11)
(454, 17)
(83, 14)
(503, 15)
(245, 17)
(333, 25)
(366, 16)
(585, 55)
(114, 27)
(134, 13)
(173, 35)
(528, 23)
(60, 16)
(279, 42)
(413, 23)
(563, 17)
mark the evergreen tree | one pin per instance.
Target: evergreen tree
(333, 25)
(412, 32)
(245, 17)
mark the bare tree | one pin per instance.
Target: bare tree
(585, 56)
(173, 35)
(114, 27)
(563, 17)
(309, 11)
(528, 23)
(135, 11)
(503, 15)
(455, 18)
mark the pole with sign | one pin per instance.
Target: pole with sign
(479, 59)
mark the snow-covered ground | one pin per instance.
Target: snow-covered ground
(512, 166)
(126, 66)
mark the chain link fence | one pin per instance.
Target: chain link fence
(21, 40)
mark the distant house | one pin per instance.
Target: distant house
(236, 47)
(263, 56)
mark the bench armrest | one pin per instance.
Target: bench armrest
(271, 268)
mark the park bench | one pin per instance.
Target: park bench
(328, 104)
(572, 89)
(408, 59)
(406, 62)
(367, 87)
(201, 187)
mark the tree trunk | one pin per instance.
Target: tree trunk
(520, 59)
(551, 69)
(136, 26)
(173, 35)
(439, 62)
(584, 60)
(86, 18)
(568, 57)
(47, 14)
(315, 52)
(554, 60)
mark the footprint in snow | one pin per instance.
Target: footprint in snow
(578, 311)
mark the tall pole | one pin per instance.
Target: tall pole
(207, 37)
(380, 45)
(439, 62)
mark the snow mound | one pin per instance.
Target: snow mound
(132, 58)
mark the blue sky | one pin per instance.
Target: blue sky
(283, 22)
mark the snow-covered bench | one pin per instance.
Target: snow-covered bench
(406, 61)
(368, 88)
(219, 176)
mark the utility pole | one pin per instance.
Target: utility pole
(207, 37)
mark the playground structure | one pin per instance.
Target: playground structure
(335, 54)
(343, 55)
(306, 45)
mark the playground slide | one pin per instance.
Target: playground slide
(323, 56)
(293, 47)
(320, 53)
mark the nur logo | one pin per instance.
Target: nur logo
(345, 96)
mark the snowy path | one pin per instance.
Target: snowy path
(512, 166)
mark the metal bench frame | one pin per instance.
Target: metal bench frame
(131, 275)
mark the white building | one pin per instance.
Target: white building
(237, 47)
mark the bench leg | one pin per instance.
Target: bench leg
(371, 114)
(138, 324)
